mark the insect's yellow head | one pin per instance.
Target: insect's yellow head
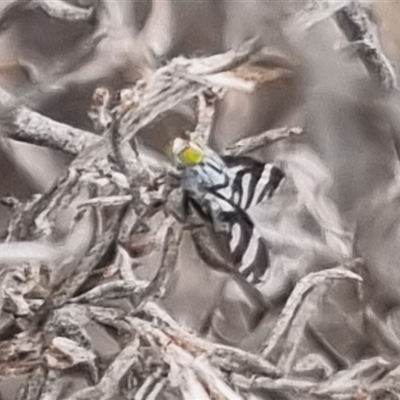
(187, 153)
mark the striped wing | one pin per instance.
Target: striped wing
(251, 181)
(240, 245)
(248, 249)
(222, 191)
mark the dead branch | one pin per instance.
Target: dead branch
(110, 382)
(62, 10)
(169, 255)
(225, 357)
(22, 124)
(302, 289)
(355, 22)
(175, 84)
(253, 143)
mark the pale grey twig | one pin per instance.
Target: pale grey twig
(348, 381)
(160, 97)
(188, 383)
(291, 385)
(157, 313)
(356, 23)
(109, 201)
(240, 361)
(52, 387)
(224, 62)
(141, 289)
(22, 124)
(69, 322)
(110, 382)
(345, 384)
(110, 290)
(176, 83)
(253, 143)
(109, 317)
(295, 301)
(213, 381)
(99, 112)
(125, 264)
(62, 10)
(68, 286)
(54, 8)
(65, 353)
(151, 386)
(205, 112)
(180, 357)
(224, 357)
(170, 247)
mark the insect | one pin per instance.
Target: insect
(219, 190)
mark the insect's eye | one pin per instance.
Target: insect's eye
(191, 156)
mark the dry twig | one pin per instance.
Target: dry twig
(253, 143)
(355, 22)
